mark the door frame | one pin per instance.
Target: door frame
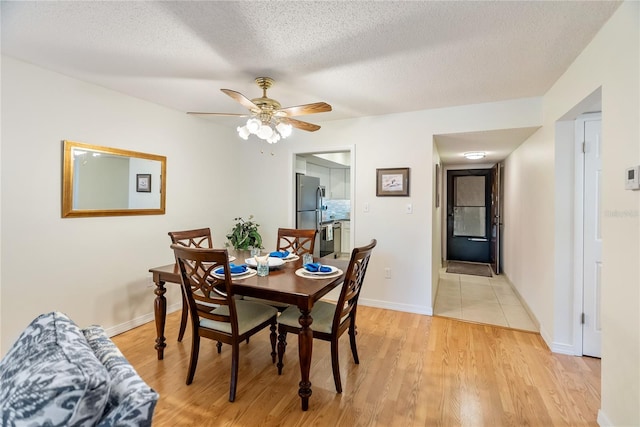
(578, 229)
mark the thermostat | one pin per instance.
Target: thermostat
(632, 180)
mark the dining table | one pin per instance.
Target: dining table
(286, 283)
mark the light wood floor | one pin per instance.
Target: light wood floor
(414, 371)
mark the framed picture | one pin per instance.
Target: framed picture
(143, 183)
(437, 192)
(392, 182)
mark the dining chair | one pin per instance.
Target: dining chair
(331, 320)
(297, 241)
(214, 312)
(198, 238)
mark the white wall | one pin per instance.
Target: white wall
(405, 241)
(96, 269)
(537, 182)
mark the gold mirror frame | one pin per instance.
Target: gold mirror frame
(68, 176)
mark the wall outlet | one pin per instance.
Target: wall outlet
(387, 273)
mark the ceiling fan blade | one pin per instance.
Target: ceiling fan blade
(300, 110)
(243, 100)
(219, 114)
(299, 124)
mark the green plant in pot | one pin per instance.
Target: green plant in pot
(244, 234)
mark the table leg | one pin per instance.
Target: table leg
(160, 312)
(305, 347)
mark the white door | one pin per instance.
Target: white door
(592, 262)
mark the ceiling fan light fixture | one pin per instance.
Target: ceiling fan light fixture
(268, 120)
(474, 155)
(270, 130)
(274, 138)
(284, 129)
(265, 132)
(253, 125)
(243, 132)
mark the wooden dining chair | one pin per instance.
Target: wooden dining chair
(214, 312)
(331, 320)
(198, 238)
(297, 241)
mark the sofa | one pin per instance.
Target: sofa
(57, 374)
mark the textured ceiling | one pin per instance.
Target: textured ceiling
(362, 57)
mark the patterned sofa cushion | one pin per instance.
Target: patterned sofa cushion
(131, 401)
(50, 376)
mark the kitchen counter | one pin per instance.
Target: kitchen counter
(329, 221)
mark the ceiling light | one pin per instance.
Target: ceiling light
(474, 155)
(265, 126)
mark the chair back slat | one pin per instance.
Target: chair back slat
(198, 238)
(297, 241)
(206, 291)
(353, 280)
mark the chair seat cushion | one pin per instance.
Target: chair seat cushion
(250, 315)
(322, 314)
(50, 376)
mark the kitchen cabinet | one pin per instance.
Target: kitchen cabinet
(340, 188)
(320, 172)
(345, 237)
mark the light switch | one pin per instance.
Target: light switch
(409, 208)
(366, 207)
(633, 178)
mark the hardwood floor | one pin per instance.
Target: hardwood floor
(414, 370)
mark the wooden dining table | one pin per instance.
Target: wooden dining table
(281, 285)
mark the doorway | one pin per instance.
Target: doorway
(333, 172)
(469, 215)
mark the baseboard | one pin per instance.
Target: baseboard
(149, 317)
(603, 420)
(522, 301)
(139, 321)
(562, 349)
(408, 308)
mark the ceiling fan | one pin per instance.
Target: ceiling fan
(268, 120)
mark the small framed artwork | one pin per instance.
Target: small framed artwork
(143, 183)
(392, 182)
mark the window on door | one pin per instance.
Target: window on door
(469, 212)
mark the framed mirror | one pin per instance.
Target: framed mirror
(104, 181)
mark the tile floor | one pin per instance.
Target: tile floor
(488, 300)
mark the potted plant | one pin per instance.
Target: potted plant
(245, 235)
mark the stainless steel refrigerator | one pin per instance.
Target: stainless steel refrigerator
(309, 195)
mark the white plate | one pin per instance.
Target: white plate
(221, 274)
(273, 262)
(309, 275)
(241, 276)
(322, 273)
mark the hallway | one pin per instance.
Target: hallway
(489, 300)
